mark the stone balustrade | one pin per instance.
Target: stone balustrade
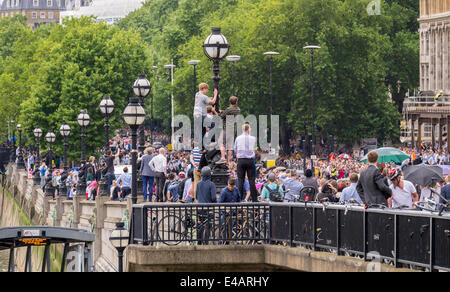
(99, 216)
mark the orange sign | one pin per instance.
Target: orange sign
(34, 241)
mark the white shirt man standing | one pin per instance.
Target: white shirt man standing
(244, 147)
(159, 166)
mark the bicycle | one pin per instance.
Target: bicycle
(432, 206)
(173, 229)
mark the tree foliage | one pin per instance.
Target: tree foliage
(362, 59)
(69, 68)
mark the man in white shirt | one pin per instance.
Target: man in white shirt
(404, 194)
(244, 147)
(159, 166)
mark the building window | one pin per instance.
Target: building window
(35, 2)
(42, 14)
(49, 2)
(34, 15)
(50, 15)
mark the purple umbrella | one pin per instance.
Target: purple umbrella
(445, 169)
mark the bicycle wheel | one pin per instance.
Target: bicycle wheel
(172, 230)
(426, 206)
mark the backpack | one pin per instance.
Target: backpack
(274, 195)
(307, 194)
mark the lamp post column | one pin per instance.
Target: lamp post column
(134, 164)
(20, 163)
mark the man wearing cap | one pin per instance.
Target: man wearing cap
(404, 193)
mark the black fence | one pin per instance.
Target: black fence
(415, 238)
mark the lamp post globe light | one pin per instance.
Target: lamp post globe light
(20, 163)
(134, 116)
(216, 48)
(106, 108)
(313, 146)
(64, 130)
(119, 239)
(38, 134)
(141, 89)
(233, 59)
(83, 120)
(49, 189)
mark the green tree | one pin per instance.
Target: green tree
(85, 61)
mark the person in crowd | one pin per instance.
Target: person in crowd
(244, 148)
(371, 187)
(125, 182)
(350, 192)
(148, 176)
(206, 189)
(109, 160)
(270, 190)
(310, 181)
(404, 194)
(230, 194)
(200, 104)
(158, 164)
(115, 191)
(328, 191)
(172, 185)
(43, 173)
(291, 182)
(195, 158)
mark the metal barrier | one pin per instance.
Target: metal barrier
(398, 237)
(172, 224)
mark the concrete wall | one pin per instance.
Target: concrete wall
(237, 258)
(28, 205)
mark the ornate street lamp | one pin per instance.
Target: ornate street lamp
(49, 189)
(64, 130)
(119, 239)
(233, 59)
(38, 134)
(83, 120)
(313, 146)
(106, 107)
(216, 48)
(141, 89)
(134, 116)
(271, 54)
(20, 163)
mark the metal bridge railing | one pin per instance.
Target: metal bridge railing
(397, 237)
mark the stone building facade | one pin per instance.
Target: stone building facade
(434, 46)
(37, 11)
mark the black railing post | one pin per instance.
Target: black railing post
(365, 235)
(144, 216)
(314, 229)
(396, 241)
(432, 243)
(338, 233)
(291, 231)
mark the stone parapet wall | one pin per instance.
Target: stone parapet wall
(99, 216)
